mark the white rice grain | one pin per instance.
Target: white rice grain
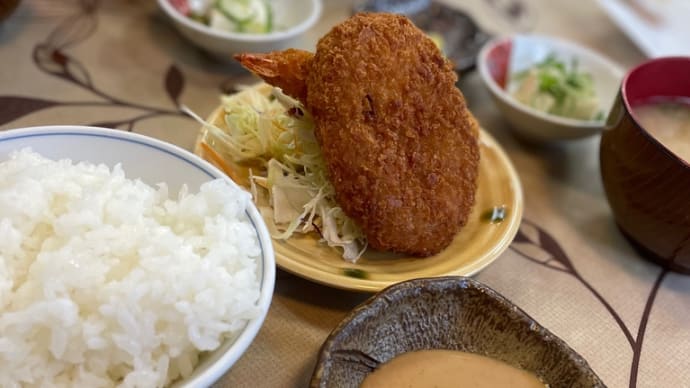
(105, 281)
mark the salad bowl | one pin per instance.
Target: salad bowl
(503, 59)
(289, 20)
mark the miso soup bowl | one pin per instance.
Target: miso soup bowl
(647, 185)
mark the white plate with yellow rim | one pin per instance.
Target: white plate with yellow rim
(478, 244)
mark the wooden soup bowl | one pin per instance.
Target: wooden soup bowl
(647, 185)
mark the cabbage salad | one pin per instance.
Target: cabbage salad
(552, 87)
(273, 136)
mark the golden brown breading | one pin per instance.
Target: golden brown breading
(400, 145)
(287, 69)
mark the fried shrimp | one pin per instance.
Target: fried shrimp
(287, 69)
(400, 145)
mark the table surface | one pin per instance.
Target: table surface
(120, 64)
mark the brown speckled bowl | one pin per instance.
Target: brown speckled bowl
(647, 186)
(454, 313)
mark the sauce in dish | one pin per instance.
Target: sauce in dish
(668, 120)
(448, 368)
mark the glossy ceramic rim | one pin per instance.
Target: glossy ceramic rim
(399, 291)
(575, 48)
(297, 29)
(334, 274)
(239, 346)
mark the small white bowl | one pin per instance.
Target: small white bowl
(532, 124)
(154, 161)
(297, 15)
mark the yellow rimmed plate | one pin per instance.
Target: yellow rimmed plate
(478, 244)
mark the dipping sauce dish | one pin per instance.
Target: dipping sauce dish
(451, 313)
(647, 184)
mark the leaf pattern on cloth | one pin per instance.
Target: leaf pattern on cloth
(59, 64)
(535, 244)
(14, 107)
(540, 246)
(77, 27)
(53, 58)
(174, 83)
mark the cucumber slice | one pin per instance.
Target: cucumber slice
(263, 18)
(269, 17)
(253, 16)
(238, 11)
(218, 21)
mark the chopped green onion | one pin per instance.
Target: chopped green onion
(495, 215)
(355, 273)
(550, 86)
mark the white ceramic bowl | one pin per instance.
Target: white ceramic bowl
(153, 161)
(529, 123)
(297, 15)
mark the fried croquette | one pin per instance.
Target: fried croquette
(400, 145)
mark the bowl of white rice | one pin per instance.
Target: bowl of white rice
(124, 261)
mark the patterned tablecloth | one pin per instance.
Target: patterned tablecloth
(120, 64)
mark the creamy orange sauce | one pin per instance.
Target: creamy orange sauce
(669, 122)
(448, 368)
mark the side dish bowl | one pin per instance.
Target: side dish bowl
(154, 161)
(295, 17)
(454, 313)
(495, 69)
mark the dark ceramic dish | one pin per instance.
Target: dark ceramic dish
(7, 7)
(462, 38)
(454, 313)
(647, 186)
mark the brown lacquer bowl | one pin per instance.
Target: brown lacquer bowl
(455, 313)
(647, 186)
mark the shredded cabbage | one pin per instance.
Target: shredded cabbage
(274, 135)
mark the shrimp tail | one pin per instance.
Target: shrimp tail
(287, 70)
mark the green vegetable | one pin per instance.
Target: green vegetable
(269, 130)
(238, 11)
(199, 18)
(355, 273)
(252, 16)
(495, 215)
(551, 86)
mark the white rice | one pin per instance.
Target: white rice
(105, 281)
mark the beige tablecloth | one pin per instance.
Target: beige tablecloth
(120, 64)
